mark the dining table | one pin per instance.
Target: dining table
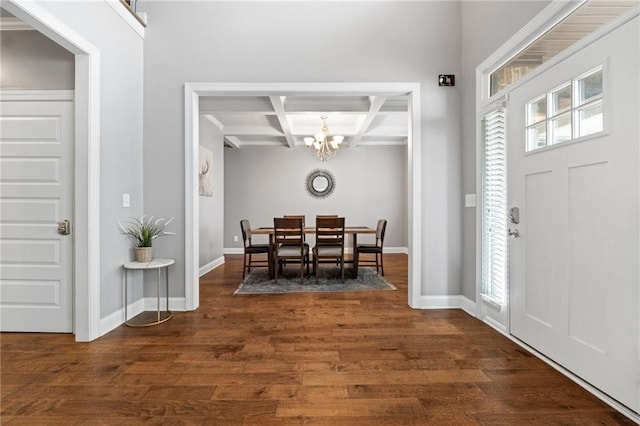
(311, 230)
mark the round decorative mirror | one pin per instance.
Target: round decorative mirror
(320, 183)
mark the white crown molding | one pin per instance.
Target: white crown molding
(37, 95)
(8, 23)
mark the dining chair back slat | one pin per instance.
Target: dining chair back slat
(289, 242)
(329, 242)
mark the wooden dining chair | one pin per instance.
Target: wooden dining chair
(304, 238)
(250, 249)
(375, 249)
(323, 216)
(329, 242)
(288, 237)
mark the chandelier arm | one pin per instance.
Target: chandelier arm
(325, 147)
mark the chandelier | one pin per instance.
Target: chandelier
(325, 147)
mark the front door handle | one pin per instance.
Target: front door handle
(514, 233)
(64, 227)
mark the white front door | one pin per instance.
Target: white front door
(36, 192)
(574, 269)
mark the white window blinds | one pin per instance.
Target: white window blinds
(494, 204)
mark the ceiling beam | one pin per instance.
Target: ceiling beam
(278, 107)
(376, 103)
(239, 130)
(232, 141)
(214, 121)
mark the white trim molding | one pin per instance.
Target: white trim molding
(205, 269)
(37, 95)
(116, 319)
(13, 24)
(449, 302)
(126, 15)
(192, 93)
(87, 162)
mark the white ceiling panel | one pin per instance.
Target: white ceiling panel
(286, 120)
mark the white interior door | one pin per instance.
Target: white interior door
(574, 270)
(36, 192)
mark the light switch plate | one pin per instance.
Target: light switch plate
(126, 200)
(470, 200)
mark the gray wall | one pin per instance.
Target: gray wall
(30, 61)
(486, 25)
(212, 208)
(280, 42)
(121, 66)
(261, 183)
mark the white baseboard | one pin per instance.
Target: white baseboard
(448, 302)
(468, 305)
(233, 250)
(393, 250)
(116, 319)
(499, 327)
(211, 266)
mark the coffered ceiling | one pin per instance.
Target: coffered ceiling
(287, 120)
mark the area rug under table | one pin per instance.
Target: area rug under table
(258, 282)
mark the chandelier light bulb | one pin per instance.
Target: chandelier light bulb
(325, 147)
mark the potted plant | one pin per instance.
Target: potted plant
(143, 231)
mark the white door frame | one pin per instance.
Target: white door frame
(192, 94)
(86, 230)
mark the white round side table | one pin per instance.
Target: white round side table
(158, 264)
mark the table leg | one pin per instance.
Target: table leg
(355, 255)
(270, 257)
(126, 273)
(158, 294)
(166, 272)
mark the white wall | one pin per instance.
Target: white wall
(121, 74)
(212, 208)
(280, 42)
(486, 25)
(262, 183)
(30, 61)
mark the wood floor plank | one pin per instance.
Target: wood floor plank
(361, 358)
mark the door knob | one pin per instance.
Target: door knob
(514, 233)
(64, 227)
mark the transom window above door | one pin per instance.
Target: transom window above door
(570, 111)
(587, 17)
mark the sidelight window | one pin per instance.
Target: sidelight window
(494, 207)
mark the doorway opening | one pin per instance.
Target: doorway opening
(86, 182)
(193, 92)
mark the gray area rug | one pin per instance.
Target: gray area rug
(258, 282)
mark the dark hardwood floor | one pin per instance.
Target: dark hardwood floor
(362, 358)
